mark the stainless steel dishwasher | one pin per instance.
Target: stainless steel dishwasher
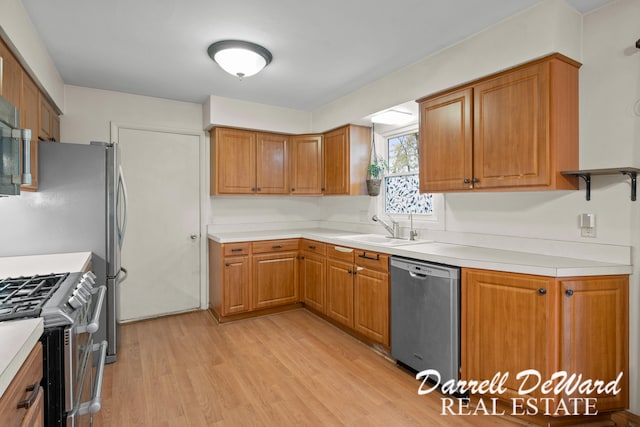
(425, 316)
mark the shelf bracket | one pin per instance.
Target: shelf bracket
(587, 181)
(633, 176)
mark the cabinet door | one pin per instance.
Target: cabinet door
(340, 292)
(336, 161)
(45, 130)
(594, 334)
(511, 144)
(30, 119)
(10, 76)
(236, 285)
(275, 279)
(272, 163)
(371, 304)
(508, 326)
(313, 281)
(235, 162)
(306, 164)
(446, 142)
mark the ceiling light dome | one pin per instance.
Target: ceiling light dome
(239, 58)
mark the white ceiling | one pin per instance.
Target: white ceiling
(322, 49)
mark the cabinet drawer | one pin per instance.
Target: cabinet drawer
(372, 260)
(231, 249)
(275, 246)
(29, 374)
(340, 252)
(313, 246)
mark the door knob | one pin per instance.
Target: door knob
(193, 236)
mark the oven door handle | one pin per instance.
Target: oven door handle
(93, 326)
(94, 405)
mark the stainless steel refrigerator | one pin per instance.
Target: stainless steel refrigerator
(80, 206)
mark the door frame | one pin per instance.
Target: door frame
(203, 191)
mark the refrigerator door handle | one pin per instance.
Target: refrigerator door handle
(122, 185)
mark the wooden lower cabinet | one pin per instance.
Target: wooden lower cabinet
(24, 388)
(312, 280)
(275, 279)
(235, 296)
(515, 322)
(340, 291)
(371, 304)
(246, 277)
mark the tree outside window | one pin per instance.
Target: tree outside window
(402, 184)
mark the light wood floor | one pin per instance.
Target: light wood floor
(288, 369)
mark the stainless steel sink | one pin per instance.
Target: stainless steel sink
(379, 239)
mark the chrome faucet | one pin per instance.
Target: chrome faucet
(393, 229)
(413, 233)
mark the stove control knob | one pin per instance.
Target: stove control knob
(80, 289)
(90, 277)
(85, 284)
(74, 302)
(80, 296)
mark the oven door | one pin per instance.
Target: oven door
(84, 383)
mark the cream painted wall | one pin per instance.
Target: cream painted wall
(17, 27)
(89, 113)
(232, 112)
(548, 27)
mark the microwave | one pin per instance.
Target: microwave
(15, 151)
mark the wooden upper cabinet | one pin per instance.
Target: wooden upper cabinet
(305, 163)
(30, 119)
(233, 166)
(49, 122)
(446, 142)
(346, 156)
(272, 163)
(248, 162)
(517, 129)
(10, 76)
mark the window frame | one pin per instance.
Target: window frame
(434, 220)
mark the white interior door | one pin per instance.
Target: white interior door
(161, 248)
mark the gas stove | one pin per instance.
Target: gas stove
(70, 305)
(54, 297)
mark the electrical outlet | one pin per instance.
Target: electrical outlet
(588, 232)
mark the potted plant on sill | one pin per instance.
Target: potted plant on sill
(375, 172)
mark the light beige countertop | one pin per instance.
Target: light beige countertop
(445, 253)
(17, 339)
(44, 264)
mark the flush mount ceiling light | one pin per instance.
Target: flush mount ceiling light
(392, 117)
(239, 58)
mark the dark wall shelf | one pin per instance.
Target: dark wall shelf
(588, 173)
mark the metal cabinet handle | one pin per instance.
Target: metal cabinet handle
(322, 189)
(259, 188)
(237, 250)
(542, 291)
(364, 255)
(466, 181)
(227, 264)
(312, 247)
(253, 189)
(293, 189)
(350, 271)
(568, 292)
(276, 247)
(475, 180)
(34, 389)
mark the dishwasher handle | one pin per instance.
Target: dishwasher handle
(419, 276)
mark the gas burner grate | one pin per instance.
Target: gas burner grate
(24, 296)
